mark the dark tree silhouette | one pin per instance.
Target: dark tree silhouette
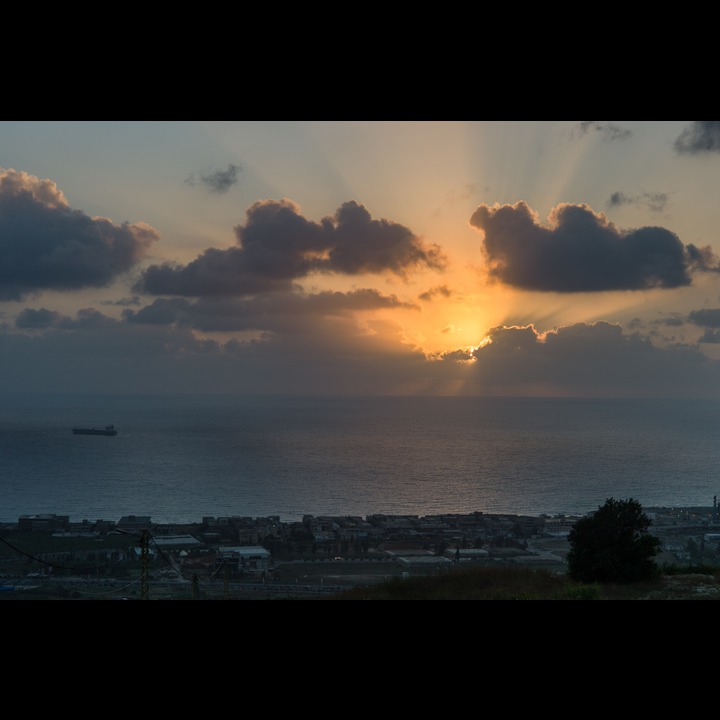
(613, 545)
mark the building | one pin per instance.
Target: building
(44, 523)
(243, 559)
(559, 525)
(134, 523)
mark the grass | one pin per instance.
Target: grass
(509, 583)
(478, 584)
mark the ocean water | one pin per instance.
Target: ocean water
(179, 459)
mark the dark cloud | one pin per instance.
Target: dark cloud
(581, 251)
(710, 337)
(215, 272)
(217, 181)
(589, 360)
(30, 319)
(463, 356)
(94, 353)
(105, 356)
(675, 320)
(43, 319)
(442, 290)
(336, 356)
(123, 302)
(163, 311)
(609, 131)
(46, 245)
(708, 318)
(360, 244)
(90, 319)
(655, 202)
(277, 245)
(267, 313)
(340, 303)
(702, 136)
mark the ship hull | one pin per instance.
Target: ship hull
(94, 431)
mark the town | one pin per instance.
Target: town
(262, 557)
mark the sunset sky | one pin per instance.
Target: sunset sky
(518, 257)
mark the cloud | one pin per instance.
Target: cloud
(163, 311)
(337, 355)
(46, 245)
(708, 318)
(215, 272)
(581, 251)
(702, 136)
(217, 181)
(30, 319)
(277, 245)
(43, 319)
(710, 337)
(674, 320)
(589, 360)
(655, 202)
(441, 290)
(90, 319)
(463, 355)
(123, 302)
(95, 353)
(609, 131)
(278, 312)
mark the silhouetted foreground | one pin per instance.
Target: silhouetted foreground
(470, 557)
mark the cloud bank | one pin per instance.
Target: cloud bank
(241, 319)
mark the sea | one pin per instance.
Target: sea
(180, 459)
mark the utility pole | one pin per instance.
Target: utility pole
(144, 561)
(144, 564)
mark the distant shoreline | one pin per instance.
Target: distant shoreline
(674, 511)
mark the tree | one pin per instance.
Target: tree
(613, 545)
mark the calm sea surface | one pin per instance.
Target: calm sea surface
(180, 459)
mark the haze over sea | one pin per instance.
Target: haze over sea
(179, 459)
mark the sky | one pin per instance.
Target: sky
(575, 258)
